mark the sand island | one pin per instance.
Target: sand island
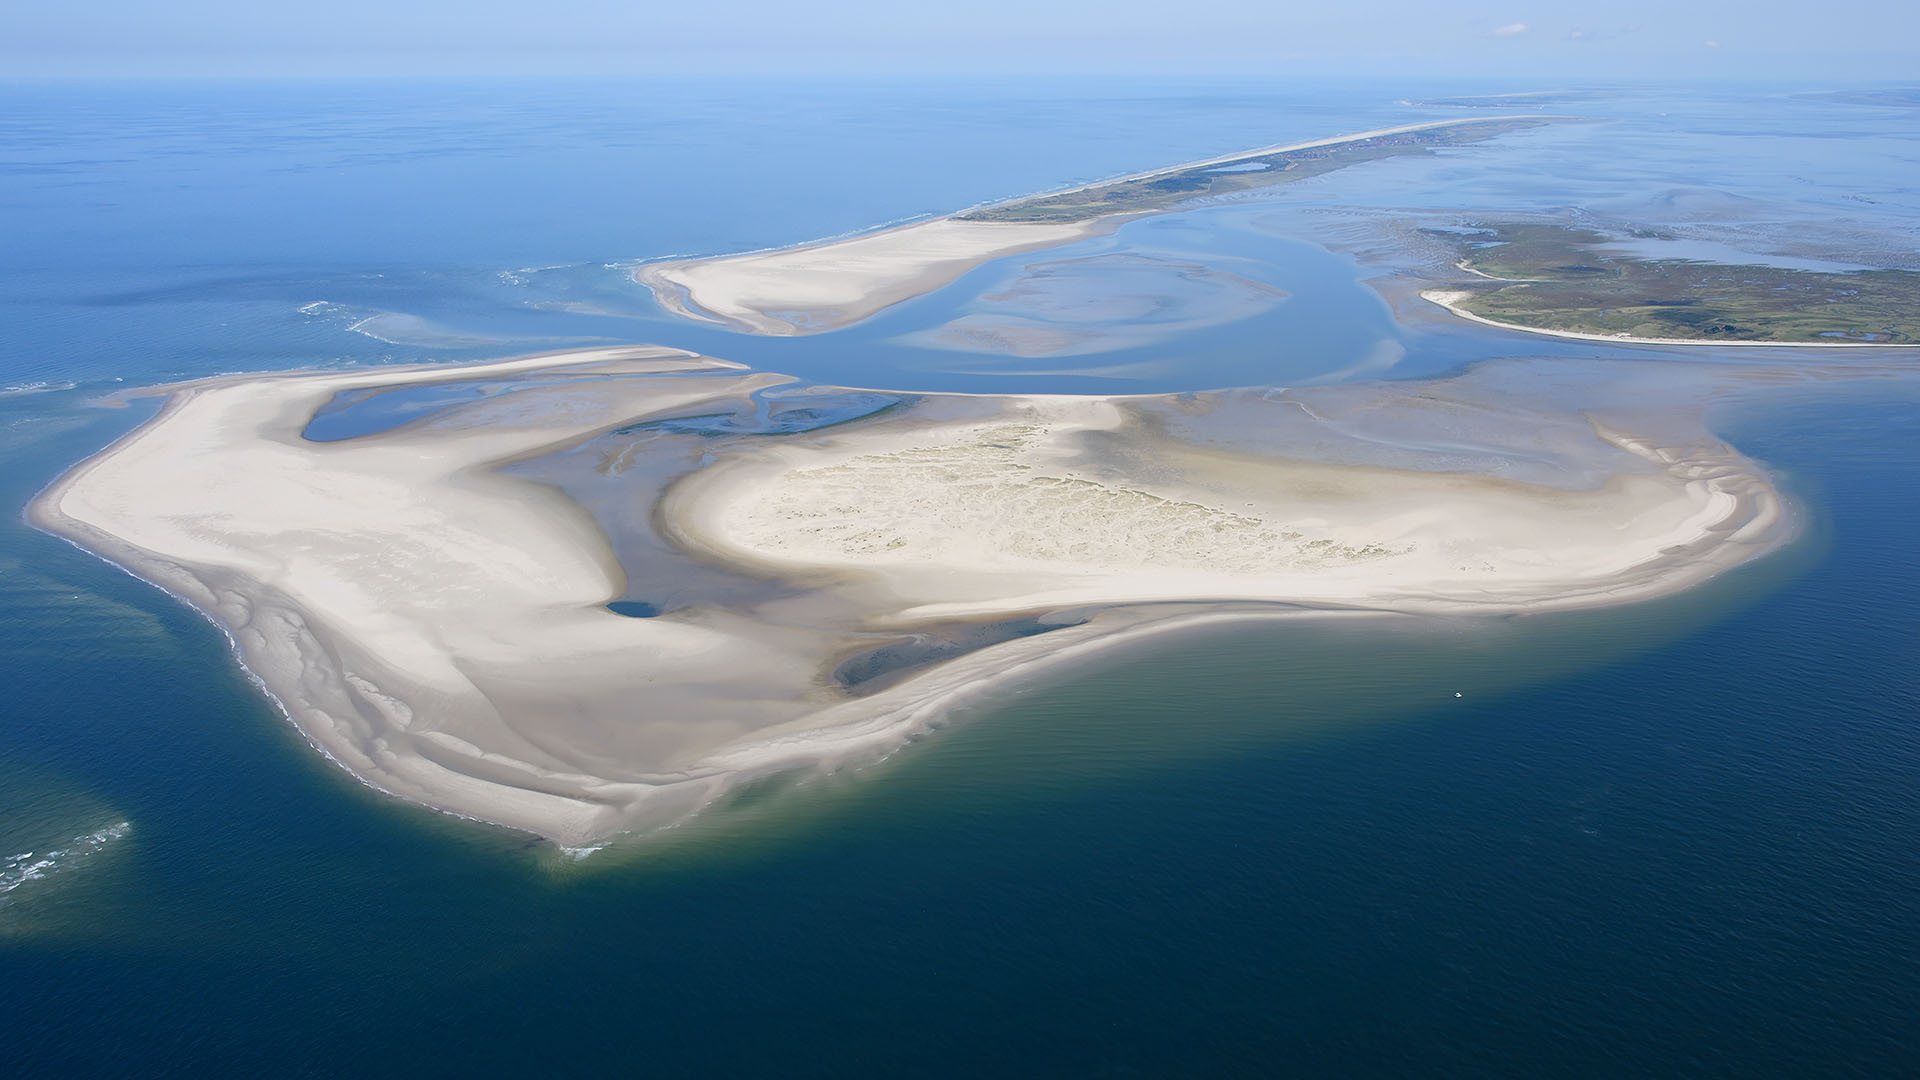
(1569, 281)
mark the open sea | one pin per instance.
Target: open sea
(1677, 838)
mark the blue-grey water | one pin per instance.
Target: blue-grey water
(1674, 838)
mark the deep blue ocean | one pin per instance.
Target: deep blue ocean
(1676, 838)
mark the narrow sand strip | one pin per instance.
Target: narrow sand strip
(826, 285)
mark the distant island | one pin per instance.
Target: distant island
(823, 286)
(1562, 279)
(1902, 97)
(1252, 170)
(1534, 276)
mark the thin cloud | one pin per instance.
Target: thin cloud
(1510, 30)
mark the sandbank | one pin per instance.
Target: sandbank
(435, 621)
(805, 290)
(1451, 298)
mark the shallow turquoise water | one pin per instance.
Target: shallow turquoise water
(1669, 838)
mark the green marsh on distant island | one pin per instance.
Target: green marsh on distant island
(1564, 278)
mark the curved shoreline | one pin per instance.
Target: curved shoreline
(437, 628)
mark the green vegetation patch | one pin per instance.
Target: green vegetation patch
(1556, 279)
(1158, 191)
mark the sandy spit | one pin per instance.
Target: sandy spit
(829, 284)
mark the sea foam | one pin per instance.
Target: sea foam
(17, 870)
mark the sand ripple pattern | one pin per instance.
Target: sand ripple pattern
(923, 503)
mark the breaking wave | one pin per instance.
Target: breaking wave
(45, 387)
(17, 870)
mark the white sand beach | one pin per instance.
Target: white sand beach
(438, 626)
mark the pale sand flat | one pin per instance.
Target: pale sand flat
(439, 629)
(976, 518)
(808, 289)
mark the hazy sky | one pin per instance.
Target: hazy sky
(1865, 39)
